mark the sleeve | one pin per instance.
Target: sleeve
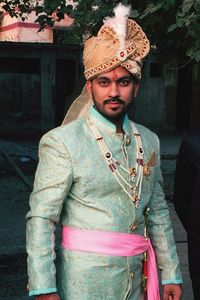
(53, 179)
(161, 232)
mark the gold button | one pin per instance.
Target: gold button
(132, 275)
(133, 227)
(128, 140)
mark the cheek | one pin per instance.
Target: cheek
(96, 98)
(100, 95)
(129, 95)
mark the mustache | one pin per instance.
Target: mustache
(113, 99)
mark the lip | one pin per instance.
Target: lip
(114, 104)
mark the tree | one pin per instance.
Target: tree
(173, 26)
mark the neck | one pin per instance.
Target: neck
(119, 128)
(118, 123)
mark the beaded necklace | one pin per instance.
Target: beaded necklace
(133, 187)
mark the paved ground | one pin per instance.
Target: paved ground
(14, 196)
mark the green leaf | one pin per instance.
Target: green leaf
(180, 22)
(190, 52)
(151, 8)
(168, 4)
(135, 14)
(39, 9)
(50, 22)
(68, 9)
(187, 5)
(197, 56)
(60, 15)
(172, 28)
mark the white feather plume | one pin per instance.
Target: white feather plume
(119, 22)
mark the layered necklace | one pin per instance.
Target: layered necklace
(133, 186)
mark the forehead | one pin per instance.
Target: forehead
(116, 73)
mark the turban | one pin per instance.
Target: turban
(119, 42)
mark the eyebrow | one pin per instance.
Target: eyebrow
(129, 77)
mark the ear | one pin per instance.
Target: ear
(136, 88)
(89, 88)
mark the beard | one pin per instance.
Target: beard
(115, 117)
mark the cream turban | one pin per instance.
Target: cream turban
(120, 41)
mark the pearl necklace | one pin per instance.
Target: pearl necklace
(132, 188)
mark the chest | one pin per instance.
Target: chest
(92, 170)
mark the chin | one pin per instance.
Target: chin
(117, 114)
(115, 117)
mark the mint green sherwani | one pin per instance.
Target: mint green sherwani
(74, 185)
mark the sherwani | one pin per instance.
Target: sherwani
(74, 186)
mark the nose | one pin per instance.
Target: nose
(114, 90)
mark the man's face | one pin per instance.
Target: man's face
(113, 92)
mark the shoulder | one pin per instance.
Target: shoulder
(64, 135)
(65, 132)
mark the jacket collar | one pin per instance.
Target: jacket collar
(103, 123)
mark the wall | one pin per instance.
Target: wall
(155, 105)
(35, 83)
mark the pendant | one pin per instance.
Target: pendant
(132, 171)
(146, 170)
(133, 179)
(137, 204)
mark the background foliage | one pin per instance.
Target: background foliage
(173, 26)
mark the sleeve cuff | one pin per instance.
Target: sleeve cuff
(42, 291)
(173, 281)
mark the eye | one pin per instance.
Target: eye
(125, 82)
(103, 82)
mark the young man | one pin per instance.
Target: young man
(186, 200)
(100, 177)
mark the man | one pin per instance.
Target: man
(186, 200)
(100, 176)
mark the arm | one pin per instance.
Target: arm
(161, 234)
(52, 182)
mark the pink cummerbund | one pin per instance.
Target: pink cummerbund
(114, 244)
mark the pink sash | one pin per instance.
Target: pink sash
(114, 244)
